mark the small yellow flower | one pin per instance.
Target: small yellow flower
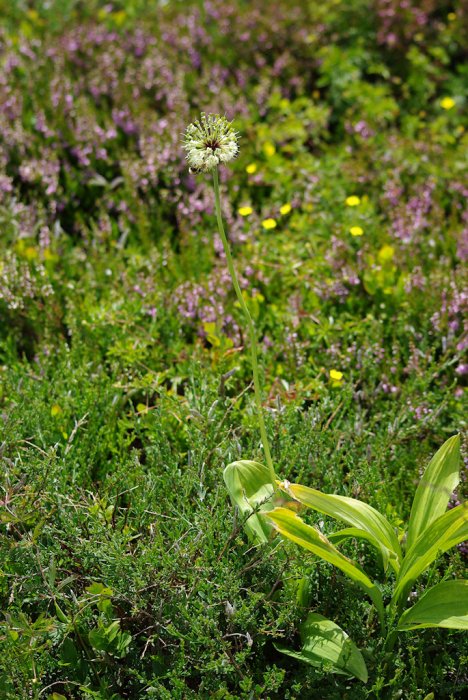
(353, 201)
(451, 16)
(336, 375)
(386, 253)
(31, 253)
(356, 231)
(55, 410)
(251, 168)
(269, 224)
(269, 149)
(447, 103)
(119, 17)
(49, 256)
(285, 209)
(245, 211)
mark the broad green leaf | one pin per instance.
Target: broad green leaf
(357, 514)
(69, 655)
(98, 640)
(323, 641)
(356, 533)
(444, 533)
(295, 529)
(444, 605)
(435, 488)
(250, 488)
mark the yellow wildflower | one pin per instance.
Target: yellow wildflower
(269, 149)
(285, 209)
(269, 224)
(386, 253)
(451, 16)
(353, 201)
(119, 17)
(49, 256)
(251, 168)
(245, 211)
(447, 103)
(336, 375)
(356, 231)
(31, 253)
(55, 410)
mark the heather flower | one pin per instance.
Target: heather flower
(209, 141)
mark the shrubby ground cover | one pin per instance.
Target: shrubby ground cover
(124, 385)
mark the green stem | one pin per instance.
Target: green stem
(390, 640)
(250, 326)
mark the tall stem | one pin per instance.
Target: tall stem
(250, 327)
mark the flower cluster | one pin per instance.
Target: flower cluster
(209, 141)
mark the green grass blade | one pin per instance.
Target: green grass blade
(435, 488)
(447, 531)
(444, 605)
(250, 488)
(291, 526)
(323, 641)
(353, 512)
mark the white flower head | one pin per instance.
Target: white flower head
(209, 141)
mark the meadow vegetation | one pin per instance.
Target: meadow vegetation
(125, 377)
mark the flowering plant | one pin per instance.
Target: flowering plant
(208, 142)
(269, 506)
